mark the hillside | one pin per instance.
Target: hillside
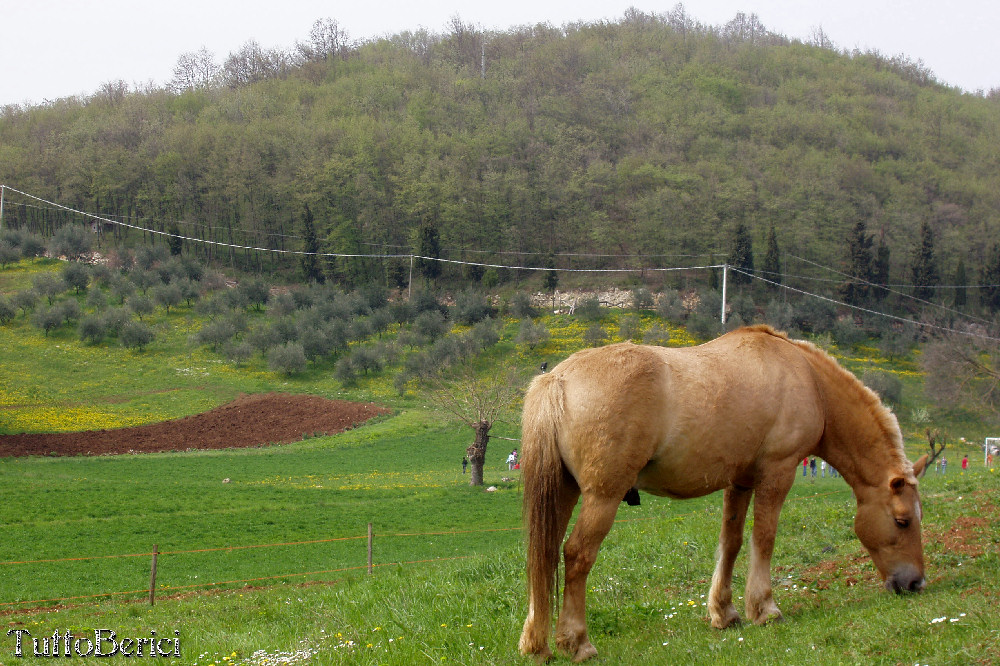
(653, 135)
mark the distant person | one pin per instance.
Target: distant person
(465, 463)
(822, 468)
(944, 465)
(812, 466)
(805, 466)
(965, 463)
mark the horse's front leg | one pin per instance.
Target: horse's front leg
(720, 597)
(597, 515)
(770, 495)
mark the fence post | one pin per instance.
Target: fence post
(152, 578)
(371, 538)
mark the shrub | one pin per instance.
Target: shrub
(658, 334)
(779, 315)
(238, 353)
(167, 295)
(520, 306)
(366, 358)
(115, 319)
(96, 299)
(25, 300)
(141, 305)
(846, 333)
(8, 253)
(430, 324)
(48, 286)
(704, 326)
(595, 335)
(216, 332)
(629, 327)
(642, 299)
(471, 306)
(47, 318)
(69, 310)
(263, 338)
(93, 329)
(288, 359)
(7, 310)
(887, 385)
(671, 307)
(344, 372)
(136, 335)
(531, 334)
(72, 241)
(485, 334)
(589, 309)
(255, 292)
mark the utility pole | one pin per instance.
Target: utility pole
(725, 274)
(2, 188)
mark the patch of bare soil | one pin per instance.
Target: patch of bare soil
(250, 420)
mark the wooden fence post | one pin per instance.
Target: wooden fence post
(152, 578)
(371, 538)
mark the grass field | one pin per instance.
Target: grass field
(448, 584)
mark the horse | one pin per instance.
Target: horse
(737, 414)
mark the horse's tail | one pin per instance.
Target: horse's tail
(543, 476)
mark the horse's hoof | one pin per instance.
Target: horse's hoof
(540, 656)
(584, 652)
(727, 619)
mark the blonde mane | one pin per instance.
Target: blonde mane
(881, 414)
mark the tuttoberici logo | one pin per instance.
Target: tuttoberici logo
(105, 643)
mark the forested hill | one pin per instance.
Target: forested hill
(653, 135)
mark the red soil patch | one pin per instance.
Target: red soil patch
(250, 420)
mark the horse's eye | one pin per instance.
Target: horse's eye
(903, 523)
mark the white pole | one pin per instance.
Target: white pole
(725, 274)
(2, 187)
(409, 285)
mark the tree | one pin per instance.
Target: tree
(859, 265)
(309, 261)
(479, 400)
(961, 281)
(71, 241)
(925, 271)
(136, 335)
(75, 275)
(963, 371)
(880, 271)
(195, 70)
(174, 240)
(428, 249)
(741, 256)
(991, 279)
(772, 259)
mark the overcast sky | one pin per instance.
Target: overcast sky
(56, 48)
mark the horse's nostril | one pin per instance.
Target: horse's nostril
(916, 585)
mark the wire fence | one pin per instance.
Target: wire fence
(154, 555)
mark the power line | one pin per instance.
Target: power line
(867, 310)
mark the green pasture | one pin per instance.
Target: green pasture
(270, 567)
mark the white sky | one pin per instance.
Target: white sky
(56, 48)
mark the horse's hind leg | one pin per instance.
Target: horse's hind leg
(535, 635)
(597, 515)
(720, 597)
(770, 495)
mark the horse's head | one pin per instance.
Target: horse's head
(888, 524)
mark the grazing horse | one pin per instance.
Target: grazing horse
(736, 414)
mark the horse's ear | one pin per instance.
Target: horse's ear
(920, 466)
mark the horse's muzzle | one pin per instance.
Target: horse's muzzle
(905, 579)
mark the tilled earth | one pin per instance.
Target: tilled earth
(250, 420)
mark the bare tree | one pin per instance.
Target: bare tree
(194, 70)
(326, 40)
(479, 400)
(253, 63)
(936, 441)
(963, 370)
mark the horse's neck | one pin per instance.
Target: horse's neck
(859, 440)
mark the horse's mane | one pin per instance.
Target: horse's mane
(882, 415)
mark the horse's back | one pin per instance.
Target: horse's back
(686, 421)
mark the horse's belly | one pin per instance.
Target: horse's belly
(696, 472)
